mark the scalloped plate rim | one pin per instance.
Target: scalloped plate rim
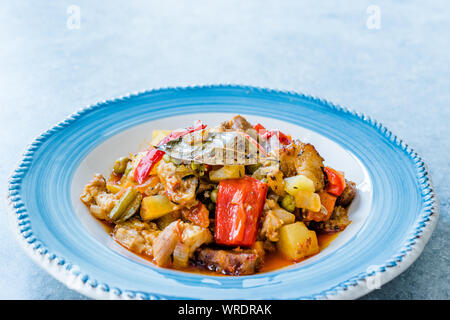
(74, 279)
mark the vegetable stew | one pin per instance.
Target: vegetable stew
(235, 199)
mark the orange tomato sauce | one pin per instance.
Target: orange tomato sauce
(275, 260)
(272, 261)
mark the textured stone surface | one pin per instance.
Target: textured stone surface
(398, 74)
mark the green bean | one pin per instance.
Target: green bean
(113, 188)
(121, 165)
(128, 169)
(288, 203)
(123, 203)
(132, 208)
(214, 195)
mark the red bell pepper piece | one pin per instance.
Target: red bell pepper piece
(283, 138)
(238, 210)
(153, 156)
(177, 134)
(336, 181)
(260, 128)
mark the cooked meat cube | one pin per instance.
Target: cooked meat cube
(130, 239)
(191, 239)
(240, 123)
(270, 203)
(300, 158)
(180, 191)
(233, 262)
(93, 188)
(165, 243)
(347, 195)
(194, 236)
(237, 123)
(97, 198)
(136, 235)
(198, 214)
(337, 222)
(273, 218)
(271, 224)
(181, 239)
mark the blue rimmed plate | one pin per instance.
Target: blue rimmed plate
(392, 217)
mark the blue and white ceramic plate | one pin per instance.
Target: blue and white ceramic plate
(393, 215)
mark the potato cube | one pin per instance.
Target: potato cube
(154, 207)
(299, 182)
(307, 200)
(297, 241)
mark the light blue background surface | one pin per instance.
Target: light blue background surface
(398, 74)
